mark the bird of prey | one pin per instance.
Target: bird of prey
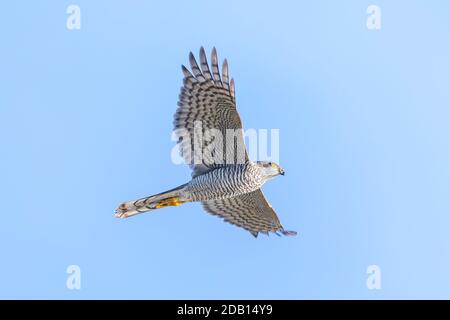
(224, 179)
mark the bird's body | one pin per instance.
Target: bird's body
(225, 180)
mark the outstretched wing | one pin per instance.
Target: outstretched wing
(206, 111)
(250, 211)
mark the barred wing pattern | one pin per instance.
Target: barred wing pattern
(208, 97)
(250, 211)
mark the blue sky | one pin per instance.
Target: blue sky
(364, 140)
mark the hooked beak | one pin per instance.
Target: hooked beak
(282, 172)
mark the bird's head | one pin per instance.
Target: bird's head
(270, 169)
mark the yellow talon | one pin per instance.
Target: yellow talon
(174, 201)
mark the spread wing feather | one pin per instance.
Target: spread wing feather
(207, 101)
(250, 211)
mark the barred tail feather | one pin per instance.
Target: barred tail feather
(169, 198)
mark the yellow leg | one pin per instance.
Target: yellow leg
(174, 201)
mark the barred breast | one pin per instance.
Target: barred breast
(224, 182)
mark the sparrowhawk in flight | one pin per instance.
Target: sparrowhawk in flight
(224, 179)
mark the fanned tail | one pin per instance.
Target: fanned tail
(157, 201)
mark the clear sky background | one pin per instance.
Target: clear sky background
(86, 118)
